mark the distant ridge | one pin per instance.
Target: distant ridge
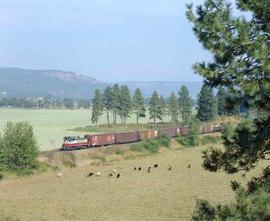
(41, 83)
(19, 82)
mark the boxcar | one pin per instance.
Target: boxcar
(208, 128)
(101, 140)
(147, 134)
(171, 132)
(183, 131)
(126, 137)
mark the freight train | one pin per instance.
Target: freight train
(97, 140)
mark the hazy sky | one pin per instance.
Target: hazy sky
(111, 40)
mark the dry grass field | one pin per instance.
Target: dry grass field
(136, 196)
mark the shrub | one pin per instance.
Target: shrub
(188, 141)
(138, 147)
(119, 152)
(1, 176)
(18, 148)
(151, 145)
(208, 139)
(164, 140)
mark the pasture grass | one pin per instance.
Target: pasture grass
(136, 196)
(50, 126)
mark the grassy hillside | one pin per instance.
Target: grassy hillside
(135, 196)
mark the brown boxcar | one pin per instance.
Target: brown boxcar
(171, 132)
(208, 128)
(127, 137)
(101, 140)
(147, 134)
(183, 131)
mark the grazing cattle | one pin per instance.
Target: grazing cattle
(98, 174)
(90, 174)
(170, 168)
(59, 175)
(156, 166)
(118, 175)
(110, 174)
(114, 170)
(189, 166)
(140, 169)
(135, 168)
(148, 171)
(149, 168)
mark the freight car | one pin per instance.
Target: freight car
(148, 134)
(170, 132)
(101, 140)
(127, 137)
(97, 140)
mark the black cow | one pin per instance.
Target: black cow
(118, 175)
(90, 174)
(156, 166)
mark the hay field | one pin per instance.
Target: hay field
(161, 195)
(50, 126)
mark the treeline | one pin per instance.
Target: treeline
(44, 103)
(118, 102)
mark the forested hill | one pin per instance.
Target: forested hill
(17, 82)
(41, 83)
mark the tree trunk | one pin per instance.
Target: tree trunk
(137, 118)
(108, 117)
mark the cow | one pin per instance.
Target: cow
(118, 175)
(90, 174)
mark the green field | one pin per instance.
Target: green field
(50, 126)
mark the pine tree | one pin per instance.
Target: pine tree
(107, 99)
(97, 107)
(221, 99)
(125, 105)
(115, 102)
(163, 106)
(155, 110)
(185, 104)
(138, 104)
(173, 107)
(240, 48)
(206, 104)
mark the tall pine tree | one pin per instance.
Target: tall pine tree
(221, 101)
(206, 104)
(173, 107)
(185, 104)
(97, 107)
(155, 110)
(163, 106)
(239, 43)
(138, 104)
(125, 103)
(115, 102)
(107, 101)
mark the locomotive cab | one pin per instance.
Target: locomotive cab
(75, 142)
